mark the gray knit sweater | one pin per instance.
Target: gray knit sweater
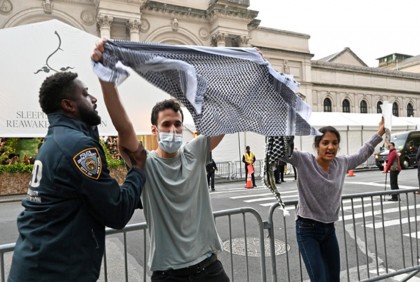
(320, 191)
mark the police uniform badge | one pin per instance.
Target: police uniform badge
(89, 162)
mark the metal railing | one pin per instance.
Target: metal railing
(225, 171)
(364, 223)
(368, 229)
(235, 170)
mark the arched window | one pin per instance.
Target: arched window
(410, 110)
(363, 107)
(395, 109)
(346, 106)
(327, 105)
(378, 107)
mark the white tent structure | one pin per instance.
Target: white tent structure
(32, 52)
(355, 130)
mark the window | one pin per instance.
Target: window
(327, 105)
(378, 107)
(410, 111)
(363, 107)
(395, 109)
(346, 106)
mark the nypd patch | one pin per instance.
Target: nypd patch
(89, 162)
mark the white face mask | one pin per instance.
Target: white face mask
(170, 142)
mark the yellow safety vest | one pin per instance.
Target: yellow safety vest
(249, 158)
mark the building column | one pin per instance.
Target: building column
(243, 41)
(134, 27)
(104, 24)
(219, 39)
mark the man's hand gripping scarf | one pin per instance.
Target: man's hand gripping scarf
(226, 90)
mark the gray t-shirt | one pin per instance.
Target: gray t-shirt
(177, 208)
(320, 191)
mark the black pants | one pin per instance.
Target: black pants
(393, 175)
(279, 174)
(252, 176)
(211, 273)
(210, 179)
(418, 174)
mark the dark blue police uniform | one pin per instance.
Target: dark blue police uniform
(71, 198)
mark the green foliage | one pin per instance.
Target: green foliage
(112, 163)
(15, 168)
(8, 148)
(107, 154)
(28, 147)
(13, 143)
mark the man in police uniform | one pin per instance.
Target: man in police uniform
(71, 196)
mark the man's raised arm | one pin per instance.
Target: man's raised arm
(122, 123)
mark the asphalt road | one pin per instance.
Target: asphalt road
(230, 196)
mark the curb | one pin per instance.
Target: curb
(12, 198)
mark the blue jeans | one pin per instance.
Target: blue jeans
(319, 248)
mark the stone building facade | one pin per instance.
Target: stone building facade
(340, 82)
(343, 83)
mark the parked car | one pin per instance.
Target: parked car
(406, 144)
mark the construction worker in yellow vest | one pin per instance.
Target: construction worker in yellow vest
(249, 159)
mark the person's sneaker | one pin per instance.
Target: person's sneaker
(255, 185)
(213, 190)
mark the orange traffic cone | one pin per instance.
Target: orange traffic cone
(385, 166)
(249, 184)
(351, 173)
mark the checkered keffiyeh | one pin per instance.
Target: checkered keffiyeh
(226, 90)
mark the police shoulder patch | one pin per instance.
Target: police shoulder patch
(89, 162)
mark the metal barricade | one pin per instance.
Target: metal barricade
(224, 171)
(4, 250)
(364, 243)
(239, 169)
(239, 240)
(109, 269)
(234, 171)
(365, 229)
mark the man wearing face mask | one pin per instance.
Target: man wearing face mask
(183, 239)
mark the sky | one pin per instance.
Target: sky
(370, 28)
